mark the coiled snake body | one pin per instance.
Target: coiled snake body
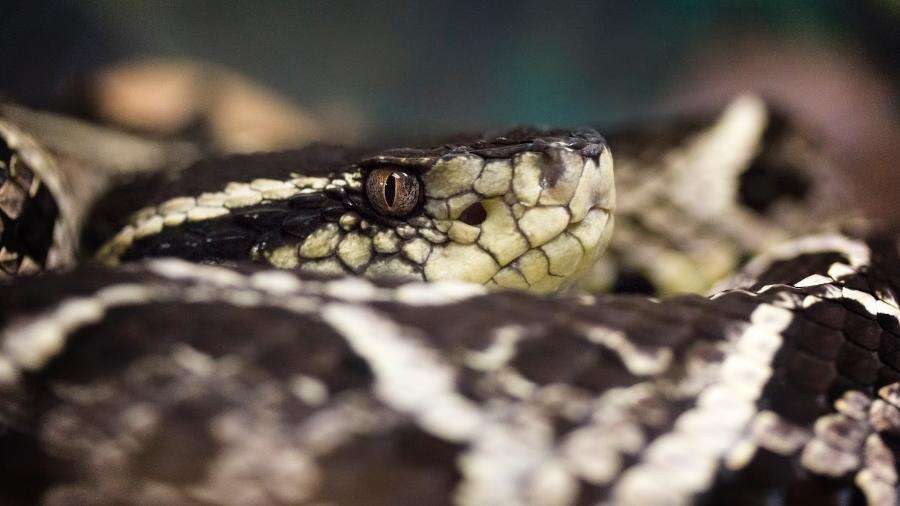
(187, 371)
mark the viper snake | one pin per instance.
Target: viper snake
(450, 324)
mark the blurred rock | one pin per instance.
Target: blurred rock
(224, 110)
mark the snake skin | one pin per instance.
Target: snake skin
(699, 196)
(34, 234)
(357, 392)
(164, 381)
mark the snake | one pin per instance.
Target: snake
(455, 323)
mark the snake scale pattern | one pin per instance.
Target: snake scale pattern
(451, 325)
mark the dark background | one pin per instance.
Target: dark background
(424, 67)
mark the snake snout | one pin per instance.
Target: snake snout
(563, 207)
(530, 221)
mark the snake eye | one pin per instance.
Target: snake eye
(392, 192)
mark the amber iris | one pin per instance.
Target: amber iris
(392, 192)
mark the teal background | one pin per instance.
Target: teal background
(429, 66)
(395, 70)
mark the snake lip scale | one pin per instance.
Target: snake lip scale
(345, 326)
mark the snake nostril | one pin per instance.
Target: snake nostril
(473, 215)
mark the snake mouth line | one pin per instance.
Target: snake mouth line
(552, 265)
(568, 229)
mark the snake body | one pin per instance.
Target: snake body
(159, 378)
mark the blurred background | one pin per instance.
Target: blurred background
(362, 71)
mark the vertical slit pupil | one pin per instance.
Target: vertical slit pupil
(390, 190)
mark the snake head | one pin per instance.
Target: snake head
(526, 209)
